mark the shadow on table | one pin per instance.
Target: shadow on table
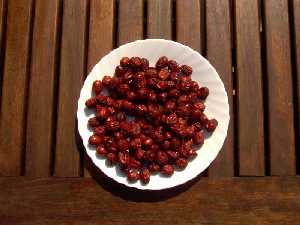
(123, 191)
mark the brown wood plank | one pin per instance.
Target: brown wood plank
(72, 69)
(99, 43)
(188, 19)
(100, 30)
(280, 90)
(218, 46)
(39, 136)
(296, 12)
(264, 200)
(249, 89)
(130, 26)
(14, 90)
(3, 11)
(159, 24)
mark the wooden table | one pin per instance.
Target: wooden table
(48, 47)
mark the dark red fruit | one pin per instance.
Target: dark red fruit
(187, 70)
(93, 122)
(90, 103)
(168, 170)
(101, 150)
(161, 62)
(211, 125)
(203, 92)
(145, 175)
(162, 158)
(95, 140)
(133, 175)
(181, 163)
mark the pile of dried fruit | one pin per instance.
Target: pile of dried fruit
(168, 110)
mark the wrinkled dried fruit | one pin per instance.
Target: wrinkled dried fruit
(167, 107)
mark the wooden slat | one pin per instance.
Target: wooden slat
(39, 136)
(72, 69)
(159, 23)
(280, 99)
(130, 25)
(266, 201)
(296, 12)
(249, 89)
(100, 43)
(188, 19)
(219, 54)
(3, 11)
(14, 90)
(100, 30)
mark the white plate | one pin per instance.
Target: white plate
(203, 72)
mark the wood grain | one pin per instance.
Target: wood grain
(280, 97)
(188, 23)
(3, 11)
(130, 25)
(101, 34)
(249, 89)
(266, 201)
(72, 69)
(101, 27)
(296, 13)
(159, 24)
(218, 39)
(14, 90)
(39, 136)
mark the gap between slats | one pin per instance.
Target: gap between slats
(295, 72)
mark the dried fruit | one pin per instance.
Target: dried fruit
(168, 109)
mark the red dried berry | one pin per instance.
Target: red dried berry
(123, 158)
(133, 175)
(95, 140)
(145, 175)
(136, 143)
(93, 122)
(174, 93)
(145, 64)
(168, 170)
(162, 97)
(147, 142)
(90, 103)
(124, 62)
(135, 62)
(97, 87)
(211, 125)
(203, 92)
(120, 71)
(198, 138)
(106, 81)
(151, 73)
(123, 145)
(187, 70)
(161, 62)
(181, 163)
(139, 153)
(163, 74)
(153, 167)
(165, 145)
(111, 157)
(131, 95)
(173, 66)
(162, 158)
(172, 154)
(100, 130)
(133, 163)
(101, 150)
